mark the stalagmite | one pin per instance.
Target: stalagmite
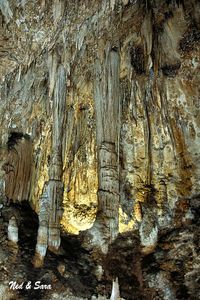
(13, 230)
(115, 290)
(42, 236)
(42, 240)
(56, 196)
(149, 231)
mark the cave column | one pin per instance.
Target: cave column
(55, 184)
(107, 94)
(50, 211)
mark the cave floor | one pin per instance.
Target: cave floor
(171, 271)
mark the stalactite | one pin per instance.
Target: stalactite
(6, 10)
(57, 10)
(137, 211)
(146, 102)
(52, 66)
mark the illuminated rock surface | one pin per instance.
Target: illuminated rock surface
(99, 148)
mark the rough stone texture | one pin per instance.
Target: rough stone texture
(18, 167)
(107, 108)
(142, 127)
(50, 212)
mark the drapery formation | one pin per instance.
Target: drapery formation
(18, 167)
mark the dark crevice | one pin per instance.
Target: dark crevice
(190, 39)
(138, 60)
(171, 70)
(14, 138)
(106, 191)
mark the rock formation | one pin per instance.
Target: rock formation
(99, 148)
(107, 109)
(50, 209)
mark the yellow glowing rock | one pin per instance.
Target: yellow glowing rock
(138, 212)
(123, 225)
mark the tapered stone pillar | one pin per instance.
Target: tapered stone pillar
(107, 107)
(51, 210)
